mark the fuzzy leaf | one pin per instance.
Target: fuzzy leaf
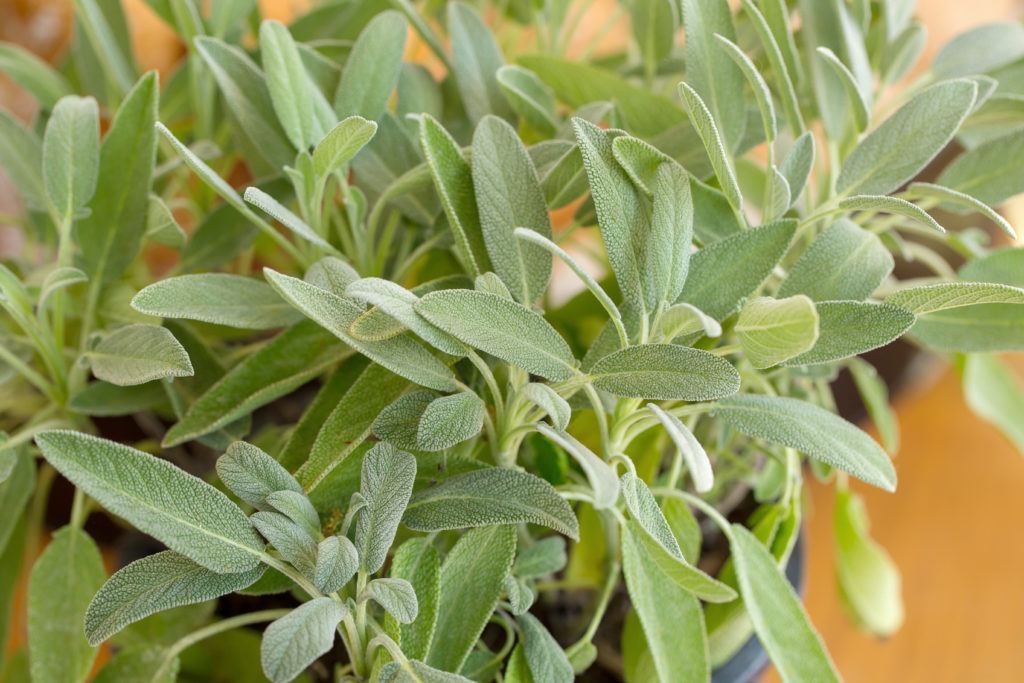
(843, 262)
(417, 562)
(36, 76)
(21, 153)
(396, 596)
(893, 205)
(399, 303)
(218, 298)
(709, 135)
(476, 59)
(774, 330)
(296, 506)
(812, 430)
(848, 328)
(269, 205)
(135, 354)
(665, 260)
(449, 420)
(529, 97)
(546, 556)
(162, 227)
(545, 657)
(341, 144)
(399, 422)
(600, 475)
(417, 672)
(980, 50)
(297, 639)
(337, 561)
(945, 295)
(371, 70)
(992, 172)
(71, 154)
(288, 538)
(252, 475)
(388, 476)
(693, 453)
(181, 510)
(289, 86)
(550, 402)
(665, 372)
(875, 395)
(993, 392)
(796, 167)
(682, 320)
(960, 199)
(978, 328)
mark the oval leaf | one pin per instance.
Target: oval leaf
(665, 372)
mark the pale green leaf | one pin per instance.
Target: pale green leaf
(45, 83)
(844, 262)
(857, 103)
(218, 298)
(416, 671)
(296, 506)
(252, 475)
(21, 152)
(332, 274)
(341, 144)
(875, 395)
(682, 320)
(544, 656)
(603, 482)
(529, 97)
(665, 372)
(387, 478)
(550, 402)
(292, 541)
(992, 172)
(757, 85)
(709, 135)
(797, 166)
(771, 331)
(135, 354)
(980, 50)
(399, 303)
(269, 205)
(960, 199)
(945, 295)
(337, 561)
(784, 64)
(297, 639)
(290, 89)
(399, 423)
(476, 59)
(993, 391)
(396, 596)
(849, 328)
(71, 154)
(57, 279)
(450, 420)
(417, 562)
(162, 227)
(693, 453)
(544, 557)
(372, 68)
(977, 328)
(665, 257)
(893, 205)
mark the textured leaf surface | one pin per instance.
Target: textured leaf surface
(388, 476)
(992, 172)
(341, 144)
(774, 330)
(71, 151)
(181, 510)
(417, 562)
(476, 59)
(693, 453)
(217, 298)
(705, 124)
(977, 328)
(893, 205)
(398, 302)
(288, 538)
(945, 295)
(371, 70)
(664, 372)
(290, 89)
(294, 641)
(603, 482)
(547, 399)
(337, 561)
(545, 657)
(843, 262)
(136, 354)
(396, 596)
(848, 328)
(252, 475)
(449, 420)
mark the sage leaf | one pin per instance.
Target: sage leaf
(640, 160)
(162, 227)
(71, 154)
(332, 274)
(372, 68)
(519, 595)
(219, 298)
(476, 59)
(388, 476)
(21, 152)
(396, 596)
(269, 205)
(450, 420)
(771, 331)
(508, 195)
(58, 279)
(682, 320)
(45, 83)
(603, 482)
(665, 260)
(182, 511)
(980, 50)
(417, 671)
(104, 399)
(337, 561)
(289, 86)
(693, 453)
(777, 41)
(472, 579)
(153, 584)
(297, 639)
(399, 423)
(1000, 266)
(849, 328)
(399, 303)
(490, 496)
(136, 354)
(992, 172)
(893, 205)
(868, 578)
(812, 430)
(546, 556)
(844, 262)
(530, 97)
(550, 402)
(62, 582)
(672, 619)
(762, 95)
(341, 144)
(993, 393)
(945, 295)
(288, 538)
(545, 657)
(252, 475)
(796, 167)
(417, 562)
(710, 136)
(951, 196)
(980, 328)
(724, 273)
(482, 321)
(665, 372)
(875, 395)
(906, 141)
(859, 105)
(295, 506)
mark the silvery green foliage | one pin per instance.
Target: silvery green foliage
(397, 252)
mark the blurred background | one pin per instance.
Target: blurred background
(953, 528)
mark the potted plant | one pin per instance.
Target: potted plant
(476, 457)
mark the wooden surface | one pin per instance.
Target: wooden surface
(953, 528)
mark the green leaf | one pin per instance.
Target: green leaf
(297, 639)
(71, 154)
(399, 422)
(21, 153)
(665, 258)
(182, 511)
(858, 104)
(603, 482)
(875, 395)
(219, 298)
(906, 141)
(992, 172)
(508, 195)
(812, 430)
(774, 330)
(372, 68)
(45, 83)
(868, 578)
(980, 50)
(337, 561)
(945, 295)
(292, 541)
(529, 97)
(417, 562)
(893, 205)
(993, 392)
(139, 664)
(724, 273)
(296, 506)
(655, 24)
(757, 85)
(396, 596)
(57, 279)
(252, 475)
(640, 160)
(1000, 266)
(399, 354)
(672, 620)
(978, 328)
(105, 28)
(332, 274)
(519, 595)
(545, 657)
(269, 205)
(665, 372)
(162, 227)
(109, 237)
(849, 328)
(693, 453)
(682, 320)
(135, 354)
(104, 399)
(710, 136)
(928, 190)
(291, 359)
(476, 59)
(62, 582)
(388, 476)
(450, 420)
(494, 495)
(417, 671)
(399, 303)
(546, 398)
(341, 144)
(472, 580)
(844, 262)
(782, 625)
(544, 557)
(153, 584)
(784, 65)
(796, 167)
(481, 320)
(290, 89)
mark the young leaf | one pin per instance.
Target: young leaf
(508, 196)
(162, 227)
(906, 141)
(665, 372)
(388, 476)
(781, 623)
(341, 144)
(269, 205)
(416, 671)
(980, 50)
(153, 584)
(959, 198)
(71, 154)
(296, 506)
(252, 475)
(396, 596)
(135, 354)
(63, 581)
(858, 104)
(399, 303)
(182, 511)
(529, 97)
(449, 420)
(545, 657)
(332, 274)
(868, 578)
(218, 298)
(774, 330)
(875, 395)
(640, 160)
(603, 482)
(665, 258)
(682, 320)
(796, 167)
(757, 85)
(337, 561)
(777, 41)
(289, 86)
(519, 595)
(288, 538)
(993, 392)
(417, 562)
(550, 402)
(472, 579)
(58, 279)
(399, 422)
(848, 328)
(297, 639)
(371, 70)
(844, 262)
(709, 135)
(945, 295)
(812, 430)
(494, 495)
(546, 556)
(992, 172)
(693, 453)
(672, 619)
(481, 320)
(476, 59)
(893, 205)
(724, 273)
